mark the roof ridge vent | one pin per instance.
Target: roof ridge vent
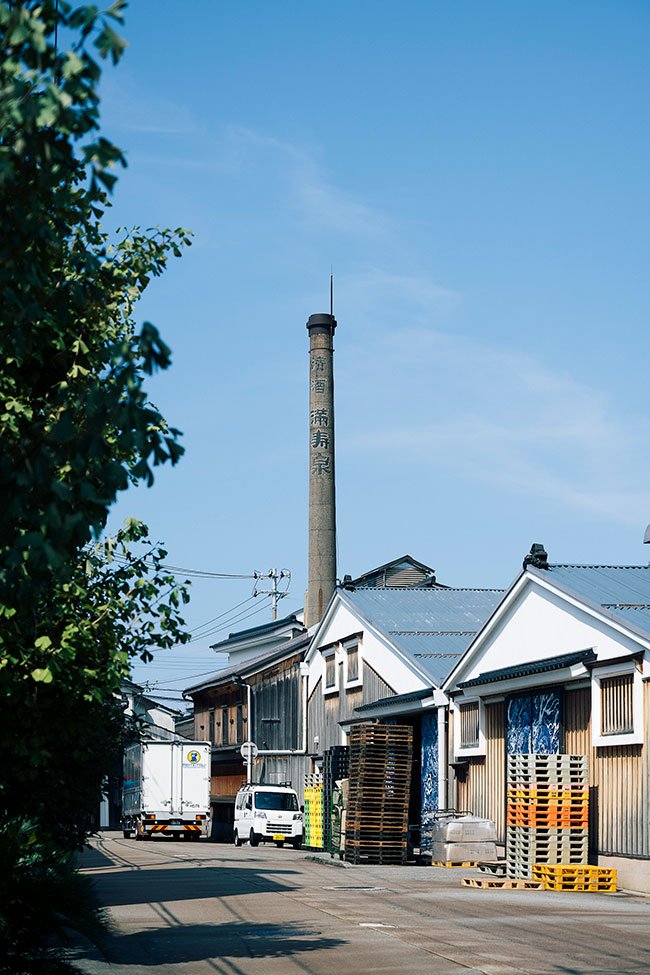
(537, 557)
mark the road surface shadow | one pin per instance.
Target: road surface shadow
(184, 883)
(200, 942)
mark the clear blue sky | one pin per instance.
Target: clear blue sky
(477, 174)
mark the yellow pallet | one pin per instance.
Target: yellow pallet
(570, 877)
(453, 863)
(501, 883)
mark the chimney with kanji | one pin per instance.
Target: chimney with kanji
(322, 500)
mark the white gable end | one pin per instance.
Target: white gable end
(376, 651)
(538, 623)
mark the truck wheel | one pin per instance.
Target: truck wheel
(297, 843)
(126, 833)
(254, 839)
(279, 844)
(236, 839)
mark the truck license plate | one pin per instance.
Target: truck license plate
(278, 837)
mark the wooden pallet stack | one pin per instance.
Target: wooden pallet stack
(547, 812)
(380, 778)
(313, 817)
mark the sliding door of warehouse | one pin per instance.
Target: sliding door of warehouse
(534, 723)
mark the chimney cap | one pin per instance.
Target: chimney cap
(323, 321)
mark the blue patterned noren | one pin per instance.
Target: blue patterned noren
(533, 724)
(546, 723)
(519, 721)
(429, 766)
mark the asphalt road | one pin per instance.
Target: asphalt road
(199, 908)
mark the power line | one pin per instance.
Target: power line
(177, 570)
(239, 618)
(215, 618)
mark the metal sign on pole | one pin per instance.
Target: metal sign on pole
(248, 752)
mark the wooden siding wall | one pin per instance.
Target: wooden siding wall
(483, 792)
(618, 781)
(217, 698)
(325, 711)
(276, 706)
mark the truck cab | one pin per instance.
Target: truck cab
(268, 814)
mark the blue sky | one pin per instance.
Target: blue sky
(477, 176)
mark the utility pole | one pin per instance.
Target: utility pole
(274, 575)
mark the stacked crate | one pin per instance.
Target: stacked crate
(336, 764)
(378, 804)
(547, 812)
(313, 816)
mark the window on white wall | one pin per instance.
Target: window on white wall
(469, 722)
(330, 672)
(353, 663)
(617, 705)
(469, 727)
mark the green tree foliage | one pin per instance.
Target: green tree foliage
(76, 426)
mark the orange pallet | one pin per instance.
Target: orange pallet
(548, 818)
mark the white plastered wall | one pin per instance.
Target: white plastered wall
(540, 623)
(391, 665)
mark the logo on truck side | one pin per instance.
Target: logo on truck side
(193, 757)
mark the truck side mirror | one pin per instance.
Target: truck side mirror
(302, 809)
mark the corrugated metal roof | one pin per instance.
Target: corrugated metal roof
(622, 590)
(433, 626)
(260, 630)
(535, 667)
(426, 610)
(254, 664)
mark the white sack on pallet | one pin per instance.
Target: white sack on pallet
(463, 851)
(464, 829)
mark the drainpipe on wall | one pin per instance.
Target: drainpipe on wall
(249, 723)
(441, 703)
(304, 673)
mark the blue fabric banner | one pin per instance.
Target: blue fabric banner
(429, 766)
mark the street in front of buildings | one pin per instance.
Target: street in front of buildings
(199, 908)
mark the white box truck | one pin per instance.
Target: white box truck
(166, 789)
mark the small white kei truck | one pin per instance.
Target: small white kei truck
(267, 814)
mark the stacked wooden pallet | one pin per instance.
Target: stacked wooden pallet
(313, 812)
(380, 778)
(547, 812)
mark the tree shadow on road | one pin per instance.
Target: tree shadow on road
(202, 942)
(187, 883)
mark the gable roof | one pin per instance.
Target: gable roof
(404, 562)
(618, 592)
(253, 666)
(262, 630)
(622, 590)
(431, 626)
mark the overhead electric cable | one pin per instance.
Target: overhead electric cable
(228, 623)
(177, 570)
(225, 613)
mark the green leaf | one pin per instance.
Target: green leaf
(43, 675)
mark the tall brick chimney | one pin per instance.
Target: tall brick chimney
(322, 499)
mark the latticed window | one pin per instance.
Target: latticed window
(240, 723)
(353, 663)
(330, 671)
(224, 726)
(469, 724)
(617, 704)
